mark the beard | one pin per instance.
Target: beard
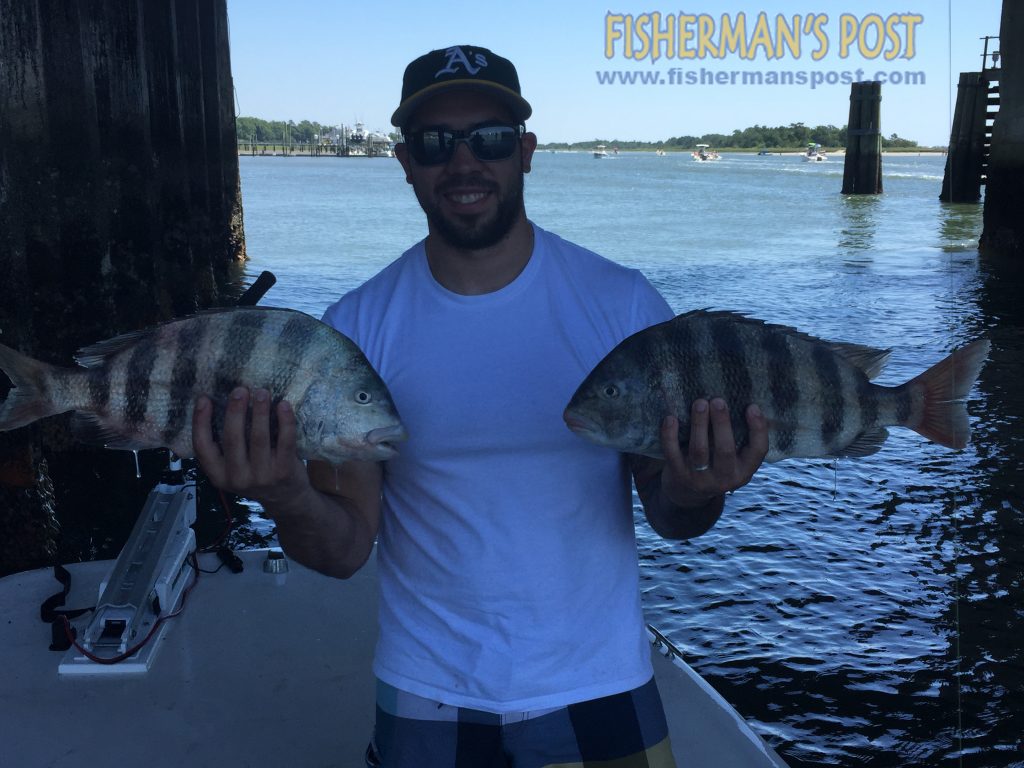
(474, 232)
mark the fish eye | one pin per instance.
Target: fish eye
(610, 391)
(363, 397)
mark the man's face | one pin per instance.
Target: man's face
(471, 204)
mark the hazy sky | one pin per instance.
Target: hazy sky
(339, 62)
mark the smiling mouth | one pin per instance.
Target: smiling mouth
(466, 198)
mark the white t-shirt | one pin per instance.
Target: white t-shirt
(507, 558)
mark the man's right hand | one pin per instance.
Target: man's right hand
(250, 465)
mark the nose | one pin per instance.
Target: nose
(463, 156)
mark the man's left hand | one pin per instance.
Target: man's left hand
(712, 466)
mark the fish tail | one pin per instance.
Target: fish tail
(941, 390)
(29, 399)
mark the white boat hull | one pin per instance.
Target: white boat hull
(260, 669)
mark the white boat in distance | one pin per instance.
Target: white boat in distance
(263, 663)
(703, 153)
(600, 151)
(815, 154)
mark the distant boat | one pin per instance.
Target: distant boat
(764, 152)
(704, 153)
(600, 151)
(815, 154)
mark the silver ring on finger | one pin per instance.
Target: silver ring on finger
(702, 468)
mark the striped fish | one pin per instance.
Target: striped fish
(138, 390)
(816, 395)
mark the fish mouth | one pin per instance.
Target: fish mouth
(579, 424)
(381, 439)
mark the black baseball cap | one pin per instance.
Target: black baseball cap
(460, 66)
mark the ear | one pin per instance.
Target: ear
(402, 153)
(528, 144)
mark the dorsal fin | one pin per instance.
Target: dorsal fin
(870, 360)
(93, 355)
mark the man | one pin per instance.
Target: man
(510, 623)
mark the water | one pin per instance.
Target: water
(860, 612)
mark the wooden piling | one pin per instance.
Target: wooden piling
(965, 160)
(862, 172)
(119, 208)
(1003, 233)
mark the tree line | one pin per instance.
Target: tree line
(283, 131)
(278, 131)
(754, 137)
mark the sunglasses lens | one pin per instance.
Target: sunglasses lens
(495, 142)
(431, 146)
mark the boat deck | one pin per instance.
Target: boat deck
(260, 669)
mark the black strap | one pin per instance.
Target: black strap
(49, 611)
(52, 613)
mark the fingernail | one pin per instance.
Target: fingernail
(238, 393)
(701, 406)
(718, 404)
(755, 412)
(261, 395)
(202, 404)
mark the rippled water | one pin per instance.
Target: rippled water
(861, 612)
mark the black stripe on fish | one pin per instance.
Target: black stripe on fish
(137, 379)
(904, 405)
(294, 340)
(732, 361)
(782, 385)
(867, 396)
(99, 386)
(183, 380)
(241, 337)
(831, 382)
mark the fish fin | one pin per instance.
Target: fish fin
(90, 429)
(94, 355)
(27, 400)
(865, 444)
(945, 386)
(870, 360)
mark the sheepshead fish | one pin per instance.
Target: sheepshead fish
(816, 395)
(138, 390)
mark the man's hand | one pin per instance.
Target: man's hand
(684, 495)
(712, 465)
(254, 468)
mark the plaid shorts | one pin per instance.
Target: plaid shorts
(625, 730)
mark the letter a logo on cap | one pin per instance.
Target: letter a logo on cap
(456, 58)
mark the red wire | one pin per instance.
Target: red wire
(136, 648)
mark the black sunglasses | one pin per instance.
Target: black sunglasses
(437, 144)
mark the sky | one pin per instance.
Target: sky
(342, 62)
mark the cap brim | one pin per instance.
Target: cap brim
(521, 109)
